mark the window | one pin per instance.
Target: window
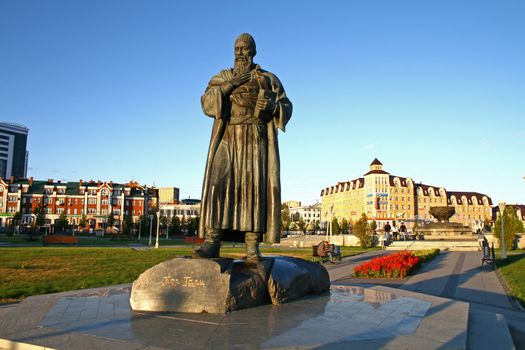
(92, 201)
(127, 203)
(60, 210)
(92, 210)
(104, 192)
(75, 211)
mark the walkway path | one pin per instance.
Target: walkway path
(452, 275)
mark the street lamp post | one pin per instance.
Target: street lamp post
(158, 226)
(501, 212)
(140, 226)
(150, 228)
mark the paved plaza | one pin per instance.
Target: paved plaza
(449, 304)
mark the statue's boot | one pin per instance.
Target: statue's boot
(211, 246)
(253, 255)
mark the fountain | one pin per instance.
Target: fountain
(444, 229)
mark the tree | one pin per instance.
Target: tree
(40, 214)
(335, 227)
(83, 221)
(301, 225)
(285, 218)
(511, 225)
(163, 223)
(184, 224)
(373, 226)
(111, 219)
(193, 225)
(345, 227)
(363, 231)
(62, 222)
(174, 227)
(127, 225)
(17, 218)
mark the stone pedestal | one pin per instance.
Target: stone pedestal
(225, 285)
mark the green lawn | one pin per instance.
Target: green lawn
(27, 271)
(513, 271)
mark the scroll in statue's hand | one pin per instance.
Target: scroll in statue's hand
(265, 106)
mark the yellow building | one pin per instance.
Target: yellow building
(168, 195)
(384, 197)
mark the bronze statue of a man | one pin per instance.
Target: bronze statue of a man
(241, 192)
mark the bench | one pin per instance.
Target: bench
(488, 255)
(336, 253)
(193, 240)
(57, 239)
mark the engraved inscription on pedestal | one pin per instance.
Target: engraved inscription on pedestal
(185, 285)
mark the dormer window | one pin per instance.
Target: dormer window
(104, 192)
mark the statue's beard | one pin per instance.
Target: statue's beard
(242, 65)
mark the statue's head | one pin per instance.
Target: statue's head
(244, 52)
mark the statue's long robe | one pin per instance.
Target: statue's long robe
(241, 190)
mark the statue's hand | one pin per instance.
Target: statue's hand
(266, 104)
(228, 86)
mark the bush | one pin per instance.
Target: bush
(426, 255)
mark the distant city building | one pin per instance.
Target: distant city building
(309, 213)
(190, 201)
(94, 199)
(168, 195)
(188, 208)
(384, 197)
(13, 150)
(292, 203)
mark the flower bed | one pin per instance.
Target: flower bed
(397, 265)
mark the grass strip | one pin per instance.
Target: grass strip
(512, 270)
(27, 271)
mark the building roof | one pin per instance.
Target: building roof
(376, 162)
(425, 189)
(402, 180)
(459, 197)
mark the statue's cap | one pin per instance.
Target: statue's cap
(247, 38)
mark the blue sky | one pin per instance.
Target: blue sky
(111, 89)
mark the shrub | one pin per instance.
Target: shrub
(426, 255)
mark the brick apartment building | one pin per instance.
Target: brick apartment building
(94, 199)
